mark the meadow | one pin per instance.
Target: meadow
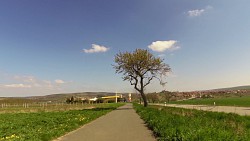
(243, 101)
(177, 124)
(45, 126)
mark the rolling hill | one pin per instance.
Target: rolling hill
(234, 88)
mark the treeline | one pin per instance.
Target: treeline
(75, 100)
(164, 96)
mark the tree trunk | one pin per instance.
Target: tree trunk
(144, 99)
(142, 93)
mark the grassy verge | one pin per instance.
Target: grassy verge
(44, 126)
(184, 124)
(243, 101)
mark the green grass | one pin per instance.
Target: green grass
(177, 124)
(227, 101)
(44, 126)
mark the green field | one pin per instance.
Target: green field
(44, 126)
(177, 124)
(243, 101)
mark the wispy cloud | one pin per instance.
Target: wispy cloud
(58, 81)
(198, 12)
(17, 86)
(18, 81)
(96, 48)
(161, 46)
(32, 81)
(22, 85)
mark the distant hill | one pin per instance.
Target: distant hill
(63, 97)
(234, 88)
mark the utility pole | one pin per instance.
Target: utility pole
(116, 97)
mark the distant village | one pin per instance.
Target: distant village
(167, 96)
(100, 99)
(164, 96)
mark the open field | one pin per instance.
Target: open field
(44, 107)
(170, 123)
(243, 101)
(42, 126)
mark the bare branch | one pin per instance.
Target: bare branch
(149, 80)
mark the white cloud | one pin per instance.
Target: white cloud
(195, 13)
(161, 46)
(26, 79)
(22, 85)
(32, 81)
(198, 12)
(58, 81)
(96, 48)
(17, 86)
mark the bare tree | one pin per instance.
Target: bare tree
(168, 95)
(139, 68)
(152, 97)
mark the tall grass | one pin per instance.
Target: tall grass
(192, 125)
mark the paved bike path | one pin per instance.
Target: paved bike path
(122, 124)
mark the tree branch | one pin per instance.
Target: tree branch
(149, 79)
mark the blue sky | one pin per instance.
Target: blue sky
(65, 46)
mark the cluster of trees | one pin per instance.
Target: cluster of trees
(72, 100)
(164, 96)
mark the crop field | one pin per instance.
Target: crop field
(43, 107)
(44, 126)
(243, 101)
(175, 124)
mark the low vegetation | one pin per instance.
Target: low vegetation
(225, 101)
(44, 126)
(184, 124)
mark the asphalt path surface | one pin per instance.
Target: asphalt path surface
(243, 111)
(122, 124)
